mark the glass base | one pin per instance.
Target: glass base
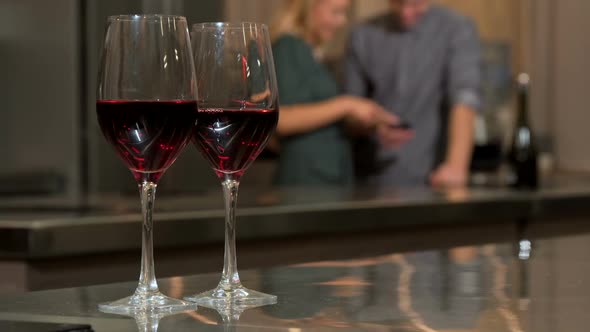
(147, 321)
(238, 295)
(157, 303)
(231, 312)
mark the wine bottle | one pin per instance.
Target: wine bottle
(523, 152)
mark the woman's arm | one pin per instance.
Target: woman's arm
(358, 113)
(302, 118)
(294, 66)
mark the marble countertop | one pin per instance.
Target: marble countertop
(491, 287)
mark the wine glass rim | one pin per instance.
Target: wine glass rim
(134, 17)
(227, 25)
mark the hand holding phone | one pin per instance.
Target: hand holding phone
(393, 136)
(401, 125)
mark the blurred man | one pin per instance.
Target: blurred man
(421, 62)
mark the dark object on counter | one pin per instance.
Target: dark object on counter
(42, 327)
(523, 153)
(487, 157)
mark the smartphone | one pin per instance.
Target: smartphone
(402, 125)
(42, 327)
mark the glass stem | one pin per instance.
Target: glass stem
(147, 323)
(230, 278)
(147, 277)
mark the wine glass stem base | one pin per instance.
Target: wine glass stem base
(152, 302)
(237, 294)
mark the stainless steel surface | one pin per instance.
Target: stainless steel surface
(40, 89)
(189, 221)
(478, 288)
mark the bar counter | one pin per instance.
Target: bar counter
(496, 286)
(39, 240)
(48, 229)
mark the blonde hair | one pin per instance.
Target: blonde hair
(292, 19)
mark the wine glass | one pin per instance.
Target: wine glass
(146, 108)
(238, 113)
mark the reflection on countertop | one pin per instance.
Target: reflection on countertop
(477, 288)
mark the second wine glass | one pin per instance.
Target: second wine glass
(238, 113)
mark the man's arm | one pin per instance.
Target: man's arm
(464, 75)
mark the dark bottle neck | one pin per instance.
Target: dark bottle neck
(523, 105)
(523, 134)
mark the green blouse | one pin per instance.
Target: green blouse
(322, 157)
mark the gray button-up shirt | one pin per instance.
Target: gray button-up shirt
(418, 74)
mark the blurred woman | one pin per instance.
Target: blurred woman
(315, 119)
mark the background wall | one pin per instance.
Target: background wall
(39, 90)
(251, 10)
(498, 20)
(570, 82)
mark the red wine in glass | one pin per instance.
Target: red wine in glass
(147, 135)
(231, 139)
